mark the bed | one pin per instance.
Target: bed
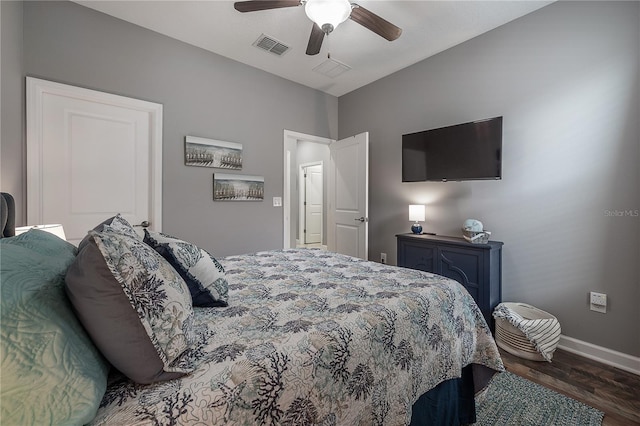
(286, 337)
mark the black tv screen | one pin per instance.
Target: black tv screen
(467, 151)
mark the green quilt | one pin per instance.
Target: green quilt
(51, 372)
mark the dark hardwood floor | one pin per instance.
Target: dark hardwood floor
(611, 390)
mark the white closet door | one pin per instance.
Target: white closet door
(91, 155)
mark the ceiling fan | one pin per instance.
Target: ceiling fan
(326, 16)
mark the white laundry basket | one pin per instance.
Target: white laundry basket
(513, 340)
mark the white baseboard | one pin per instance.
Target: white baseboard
(598, 353)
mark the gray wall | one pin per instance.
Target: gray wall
(12, 149)
(203, 95)
(565, 78)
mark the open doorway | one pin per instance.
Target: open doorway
(302, 150)
(345, 193)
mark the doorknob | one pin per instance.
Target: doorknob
(361, 219)
(144, 224)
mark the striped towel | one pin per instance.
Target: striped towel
(543, 330)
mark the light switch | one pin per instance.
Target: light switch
(277, 201)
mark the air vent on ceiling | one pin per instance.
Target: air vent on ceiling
(332, 68)
(270, 44)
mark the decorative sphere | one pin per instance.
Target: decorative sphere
(416, 228)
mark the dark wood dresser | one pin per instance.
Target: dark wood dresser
(478, 267)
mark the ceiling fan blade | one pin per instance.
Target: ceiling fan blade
(315, 40)
(255, 5)
(375, 23)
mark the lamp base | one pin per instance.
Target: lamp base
(416, 228)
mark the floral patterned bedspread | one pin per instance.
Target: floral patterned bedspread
(314, 338)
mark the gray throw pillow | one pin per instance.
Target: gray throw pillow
(133, 304)
(203, 274)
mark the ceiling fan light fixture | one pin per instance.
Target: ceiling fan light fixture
(328, 14)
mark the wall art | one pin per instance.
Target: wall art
(204, 152)
(229, 187)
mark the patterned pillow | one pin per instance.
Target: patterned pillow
(120, 225)
(116, 224)
(134, 305)
(202, 272)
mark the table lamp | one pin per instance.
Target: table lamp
(416, 214)
(55, 229)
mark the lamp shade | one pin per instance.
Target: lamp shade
(332, 12)
(416, 213)
(55, 229)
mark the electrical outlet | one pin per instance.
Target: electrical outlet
(598, 302)
(383, 257)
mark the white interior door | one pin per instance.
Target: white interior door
(313, 204)
(348, 195)
(91, 155)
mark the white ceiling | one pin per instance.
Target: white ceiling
(428, 27)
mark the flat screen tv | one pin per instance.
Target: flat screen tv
(467, 151)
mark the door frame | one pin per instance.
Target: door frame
(36, 89)
(290, 143)
(302, 207)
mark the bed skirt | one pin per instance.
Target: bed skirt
(452, 402)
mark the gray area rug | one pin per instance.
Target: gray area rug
(513, 400)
